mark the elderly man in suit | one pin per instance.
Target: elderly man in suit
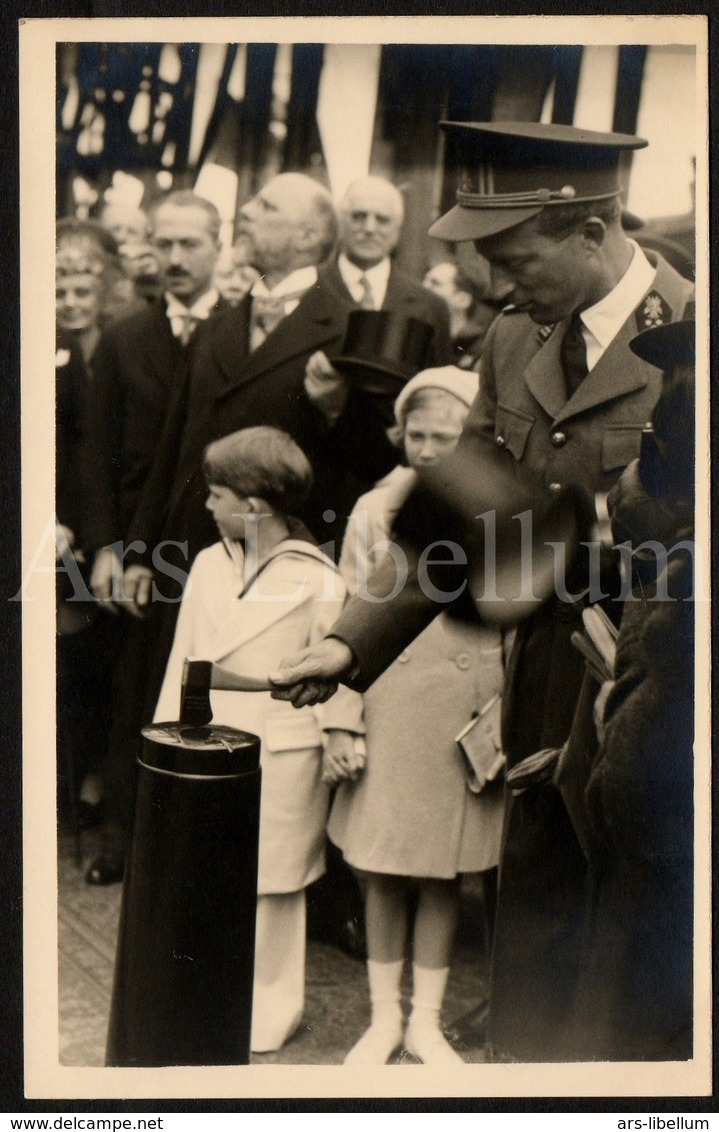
(560, 413)
(364, 275)
(138, 364)
(371, 218)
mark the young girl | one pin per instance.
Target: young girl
(251, 599)
(408, 819)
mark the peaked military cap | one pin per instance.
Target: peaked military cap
(513, 170)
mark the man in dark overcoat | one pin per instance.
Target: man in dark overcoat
(136, 368)
(630, 796)
(366, 276)
(561, 409)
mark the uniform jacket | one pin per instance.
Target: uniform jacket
(585, 441)
(135, 370)
(292, 603)
(520, 407)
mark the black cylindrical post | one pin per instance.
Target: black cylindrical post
(185, 955)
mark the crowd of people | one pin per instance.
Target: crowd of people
(282, 456)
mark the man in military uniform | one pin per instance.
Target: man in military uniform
(561, 409)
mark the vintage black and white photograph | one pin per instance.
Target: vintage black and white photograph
(366, 579)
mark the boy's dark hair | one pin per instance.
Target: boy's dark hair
(261, 461)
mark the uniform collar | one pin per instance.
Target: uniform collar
(603, 321)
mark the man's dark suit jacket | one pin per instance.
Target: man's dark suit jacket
(406, 296)
(70, 399)
(135, 369)
(230, 388)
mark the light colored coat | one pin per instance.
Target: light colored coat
(292, 602)
(411, 812)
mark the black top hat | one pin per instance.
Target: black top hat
(515, 169)
(670, 345)
(383, 349)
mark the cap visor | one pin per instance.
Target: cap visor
(478, 223)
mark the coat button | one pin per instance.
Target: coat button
(555, 487)
(499, 440)
(558, 439)
(463, 660)
(403, 657)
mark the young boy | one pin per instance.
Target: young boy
(262, 592)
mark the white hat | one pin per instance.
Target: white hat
(461, 383)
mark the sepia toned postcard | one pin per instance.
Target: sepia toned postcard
(115, 114)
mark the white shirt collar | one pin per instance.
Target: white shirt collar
(603, 321)
(300, 280)
(201, 308)
(377, 277)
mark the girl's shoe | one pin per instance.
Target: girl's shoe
(429, 1044)
(376, 1045)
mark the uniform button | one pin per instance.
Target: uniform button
(500, 440)
(555, 487)
(403, 657)
(558, 439)
(463, 660)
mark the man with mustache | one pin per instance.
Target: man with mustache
(138, 363)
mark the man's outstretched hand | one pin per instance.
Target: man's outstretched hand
(312, 675)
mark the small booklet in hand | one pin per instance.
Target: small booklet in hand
(481, 745)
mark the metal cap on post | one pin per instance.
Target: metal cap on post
(184, 966)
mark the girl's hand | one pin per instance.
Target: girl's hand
(339, 761)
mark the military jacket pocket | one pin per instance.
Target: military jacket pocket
(512, 429)
(620, 445)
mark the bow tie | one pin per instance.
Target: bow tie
(269, 310)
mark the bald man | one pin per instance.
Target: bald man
(251, 368)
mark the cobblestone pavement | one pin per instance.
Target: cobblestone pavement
(337, 1007)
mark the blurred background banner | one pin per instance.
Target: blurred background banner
(137, 119)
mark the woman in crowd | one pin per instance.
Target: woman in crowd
(90, 291)
(91, 288)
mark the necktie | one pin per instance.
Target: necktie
(574, 355)
(189, 322)
(367, 298)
